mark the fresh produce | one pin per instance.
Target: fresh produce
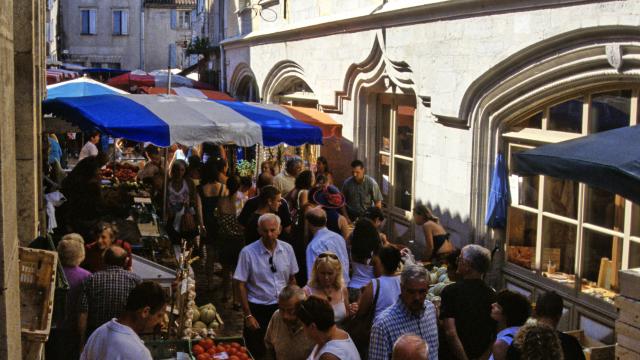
(207, 349)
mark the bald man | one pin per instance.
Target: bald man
(410, 347)
(324, 240)
(104, 294)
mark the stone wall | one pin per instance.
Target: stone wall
(157, 37)
(441, 55)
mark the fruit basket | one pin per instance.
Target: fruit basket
(207, 349)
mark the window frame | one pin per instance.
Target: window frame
(532, 138)
(183, 19)
(89, 11)
(124, 25)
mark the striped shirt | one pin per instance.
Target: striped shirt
(396, 321)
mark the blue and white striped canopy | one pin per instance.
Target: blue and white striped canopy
(80, 87)
(168, 119)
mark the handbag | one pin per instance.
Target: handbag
(359, 327)
(188, 222)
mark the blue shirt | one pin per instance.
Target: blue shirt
(397, 321)
(55, 151)
(255, 270)
(326, 240)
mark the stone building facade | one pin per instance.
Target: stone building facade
(22, 83)
(429, 92)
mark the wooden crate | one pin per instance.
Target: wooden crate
(630, 283)
(628, 336)
(37, 289)
(628, 310)
(593, 349)
(623, 353)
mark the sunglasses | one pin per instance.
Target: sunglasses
(331, 255)
(273, 267)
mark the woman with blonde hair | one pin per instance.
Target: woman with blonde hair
(71, 253)
(327, 283)
(432, 239)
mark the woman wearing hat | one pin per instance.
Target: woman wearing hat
(332, 200)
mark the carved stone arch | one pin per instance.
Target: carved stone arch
(280, 75)
(243, 83)
(376, 67)
(569, 63)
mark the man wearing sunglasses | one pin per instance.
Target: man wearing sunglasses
(264, 268)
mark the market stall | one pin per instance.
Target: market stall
(164, 120)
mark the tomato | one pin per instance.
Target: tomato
(206, 343)
(211, 351)
(203, 357)
(232, 351)
(235, 344)
(220, 348)
(243, 349)
(243, 356)
(197, 349)
(233, 357)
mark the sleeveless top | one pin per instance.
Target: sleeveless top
(507, 336)
(339, 309)
(389, 292)
(342, 349)
(332, 220)
(438, 241)
(178, 198)
(362, 275)
(209, 209)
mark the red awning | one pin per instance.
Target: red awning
(183, 91)
(317, 118)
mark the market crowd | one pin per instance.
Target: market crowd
(304, 259)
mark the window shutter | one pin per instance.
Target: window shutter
(125, 22)
(116, 22)
(193, 20)
(174, 18)
(172, 55)
(85, 21)
(92, 22)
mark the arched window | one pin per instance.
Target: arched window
(571, 232)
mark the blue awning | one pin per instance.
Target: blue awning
(167, 119)
(80, 87)
(607, 160)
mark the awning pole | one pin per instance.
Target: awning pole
(165, 216)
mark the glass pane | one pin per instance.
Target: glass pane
(634, 255)
(601, 260)
(402, 182)
(635, 220)
(404, 130)
(610, 110)
(561, 197)
(526, 191)
(558, 251)
(534, 122)
(385, 163)
(604, 209)
(521, 237)
(566, 116)
(385, 128)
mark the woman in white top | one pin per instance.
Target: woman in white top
(389, 282)
(511, 310)
(365, 244)
(316, 315)
(327, 283)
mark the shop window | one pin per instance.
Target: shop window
(570, 219)
(522, 232)
(558, 250)
(604, 209)
(395, 150)
(561, 197)
(634, 254)
(609, 110)
(566, 116)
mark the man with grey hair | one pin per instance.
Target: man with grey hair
(285, 337)
(410, 347)
(411, 314)
(286, 180)
(466, 306)
(264, 268)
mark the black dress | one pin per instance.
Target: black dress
(209, 215)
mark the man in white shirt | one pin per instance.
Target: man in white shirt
(286, 180)
(90, 148)
(325, 240)
(118, 338)
(264, 268)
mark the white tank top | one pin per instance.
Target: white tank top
(389, 292)
(362, 275)
(342, 349)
